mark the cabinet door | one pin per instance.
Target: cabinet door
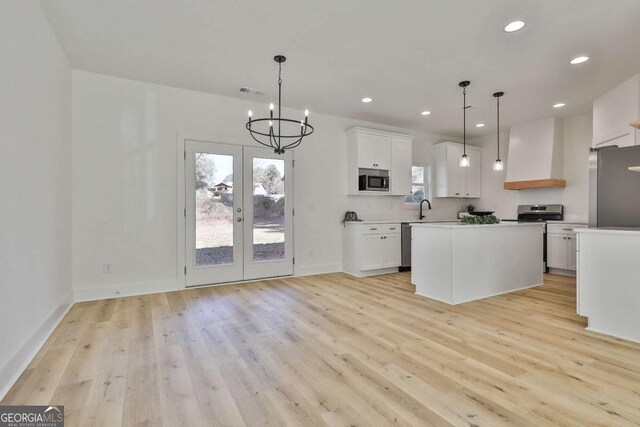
(393, 250)
(571, 252)
(373, 252)
(473, 174)
(382, 148)
(401, 167)
(455, 174)
(366, 151)
(557, 251)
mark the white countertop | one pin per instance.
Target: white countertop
(399, 221)
(567, 222)
(458, 225)
(610, 230)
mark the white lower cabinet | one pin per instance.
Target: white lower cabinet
(371, 249)
(557, 251)
(562, 246)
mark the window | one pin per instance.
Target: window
(420, 183)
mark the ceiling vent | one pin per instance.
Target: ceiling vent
(249, 91)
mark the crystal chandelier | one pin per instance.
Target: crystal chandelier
(276, 135)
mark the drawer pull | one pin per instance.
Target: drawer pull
(568, 229)
(392, 228)
(373, 229)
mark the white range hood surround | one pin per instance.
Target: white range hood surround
(536, 155)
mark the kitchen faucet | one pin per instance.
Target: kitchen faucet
(428, 202)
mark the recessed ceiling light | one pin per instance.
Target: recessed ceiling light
(425, 113)
(579, 60)
(480, 125)
(558, 105)
(514, 26)
(366, 100)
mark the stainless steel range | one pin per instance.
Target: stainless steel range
(540, 213)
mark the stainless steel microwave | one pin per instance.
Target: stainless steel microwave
(377, 180)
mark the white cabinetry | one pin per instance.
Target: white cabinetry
(613, 112)
(379, 150)
(374, 151)
(607, 287)
(562, 246)
(371, 249)
(451, 179)
(401, 161)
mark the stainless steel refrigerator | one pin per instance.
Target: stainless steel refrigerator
(614, 187)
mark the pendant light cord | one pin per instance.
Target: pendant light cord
(464, 121)
(498, 107)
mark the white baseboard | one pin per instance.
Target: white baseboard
(310, 270)
(99, 292)
(463, 301)
(370, 273)
(125, 290)
(562, 272)
(11, 371)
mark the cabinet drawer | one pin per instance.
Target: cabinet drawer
(392, 228)
(374, 229)
(380, 229)
(564, 228)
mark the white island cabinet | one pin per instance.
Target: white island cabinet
(608, 283)
(457, 263)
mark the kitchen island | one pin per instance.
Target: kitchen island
(608, 284)
(457, 263)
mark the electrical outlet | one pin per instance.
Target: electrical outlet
(106, 268)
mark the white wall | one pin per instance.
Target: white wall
(125, 176)
(577, 140)
(35, 183)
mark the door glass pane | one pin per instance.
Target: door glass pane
(214, 209)
(268, 209)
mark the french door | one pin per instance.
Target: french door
(238, 213)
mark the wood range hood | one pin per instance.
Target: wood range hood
(535, 183)
(536, 155)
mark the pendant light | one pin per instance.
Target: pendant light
(464, 160)
(498, 165)
(272, 136)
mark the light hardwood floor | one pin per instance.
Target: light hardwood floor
(334, 350)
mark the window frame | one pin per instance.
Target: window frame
(426, 183)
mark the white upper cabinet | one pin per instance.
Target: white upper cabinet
(387, 151)
(613, 112)
(401, 161)
(374, 152)
(451, 179)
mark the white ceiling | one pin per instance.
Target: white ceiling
(408, 55)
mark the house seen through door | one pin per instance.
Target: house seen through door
(238, 213)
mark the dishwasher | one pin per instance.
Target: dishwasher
(405, 264)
